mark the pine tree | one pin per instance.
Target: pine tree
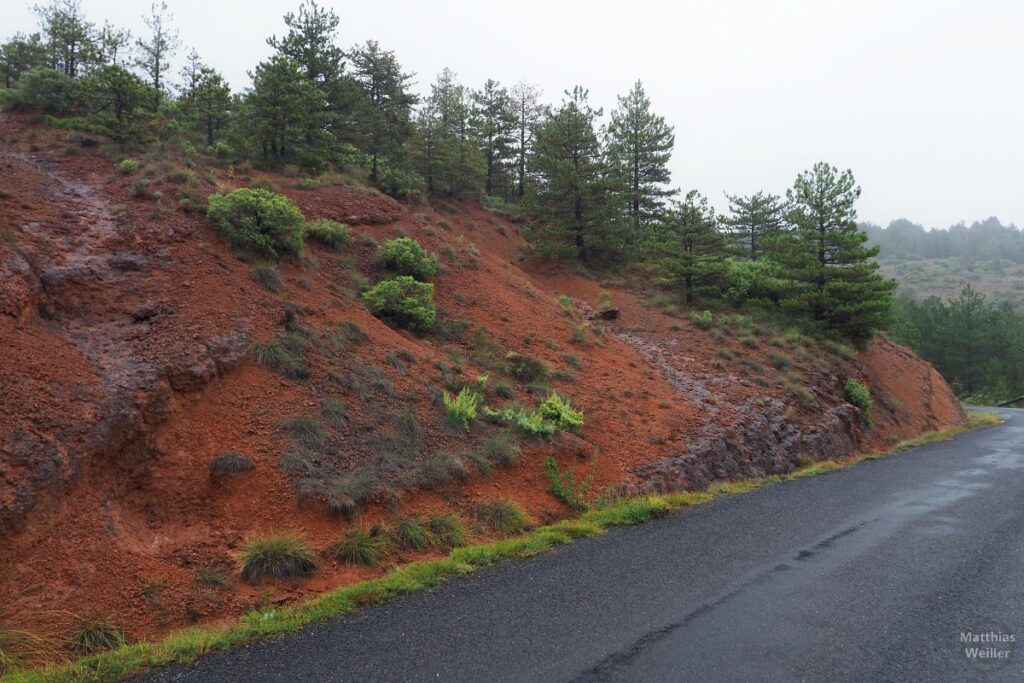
(494, 127)
(832, 272)
(156, 51)
(692, 248)
(640, 146)
(69, 37)
(386, 123)
(571, 181)
(528, 113)
(458, 165)
(284, 112)
(112, 45)
(206, 98)
(19, 54)
(310, 42)
(753, 219)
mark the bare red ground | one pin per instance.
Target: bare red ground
(111, 397)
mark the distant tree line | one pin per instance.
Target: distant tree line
(987, 239)
(978, 346)
(599, 194)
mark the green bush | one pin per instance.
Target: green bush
(128, 166)
(258, 222)
(533, 423)
(47, 91)
(400, 184)
(405, 256)
(461, 409)
(857, 394)
(404, 301)
(331, 234)
(525, 369)
(702, 320)
(360, 546)
(557, 410)
(280, 556)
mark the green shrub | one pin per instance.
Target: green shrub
(330, 234)
(857, 394)
(231, 462)
(565, 488)
(525, 369)
(128, 166)
(405, 256)
(360, 546)
(447, 530)
(96, 635)
(47, 91)
(559, 411)
(780, 361)
(461, 409)
(411, 534)
(702, 320)
(503, 517)
(403, 301)
(258, 222)
(279, 556)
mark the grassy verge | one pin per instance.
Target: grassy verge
(190, 643)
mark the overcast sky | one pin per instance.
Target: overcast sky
(923, 99)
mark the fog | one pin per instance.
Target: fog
(923, 100)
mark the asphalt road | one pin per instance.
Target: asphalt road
(872, 573)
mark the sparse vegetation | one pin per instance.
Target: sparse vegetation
(704, 320)
(128, 166)
(95, 635)
(564, 486)
(231, 462)
(461, 409)
(277, 356)
(411, 534)
(307, 431)
(447, 530)
(278, 556)
(330, 234)
(266, 275)
(525, 369)
(334, 412)
(858, 394)
(503, 517)
(361, 546)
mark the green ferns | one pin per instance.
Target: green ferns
(858, 394)
(552, 415)
(461, 409)
(558, 411)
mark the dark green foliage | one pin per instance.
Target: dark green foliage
(258, 221)
(832, 273)
(47, 91)
(278, 556)
(231, 462)
(639, 149)
(330, 234)
(447, 530)
(411, 534)
(978, 346)
(266, 275)
(754, 219)
(503, 517)
(693, 250)
(525, 369)
(564, 486)
(405, 256)
(404, 302)
(96, 635)
(857, 394)
(360, 546)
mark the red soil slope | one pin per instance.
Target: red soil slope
(126, 323)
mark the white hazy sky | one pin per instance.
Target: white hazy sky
(923, 99)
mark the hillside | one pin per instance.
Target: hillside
(127, 325)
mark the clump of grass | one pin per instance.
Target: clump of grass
(266, 275)
(278, 556)
(360, 546)
(96, 635)
(780, 362)
(411, 534)
(230, 462)
(346, 493)
(279, 358)
(19, 648)
(525, 369)
(440, 469)
(349, 332)
(211, 577)
(503, 390)
(501, 449)
(447, 530)
(503, 517)
(330, 234)
(308, 431)
(573, 362)
(334, 412)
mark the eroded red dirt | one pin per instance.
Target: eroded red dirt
(125, 324)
